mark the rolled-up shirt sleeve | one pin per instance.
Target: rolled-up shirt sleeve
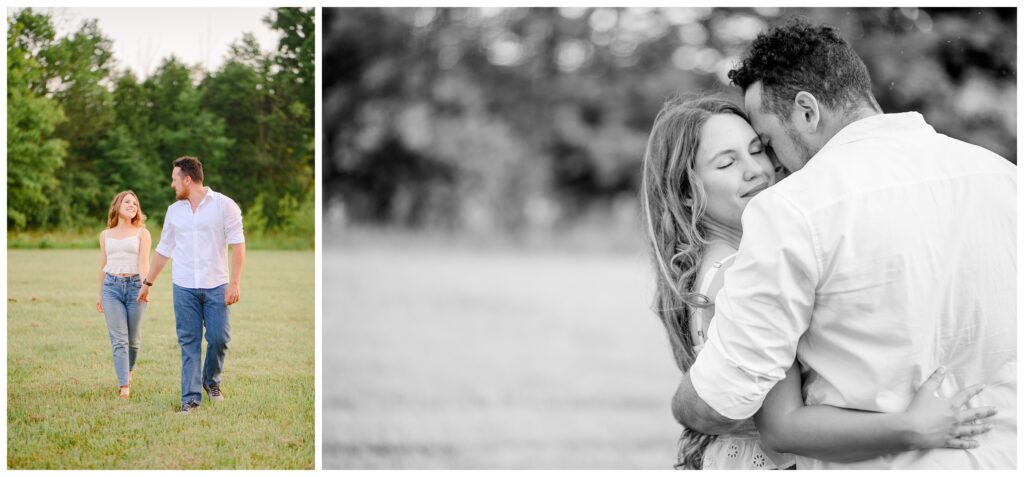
(166, 245)
(233, 232)
(762, 310)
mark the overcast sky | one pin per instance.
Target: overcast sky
(143, 37)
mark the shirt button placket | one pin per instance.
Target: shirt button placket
(195, 249)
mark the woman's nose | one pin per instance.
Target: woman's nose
(752, 169)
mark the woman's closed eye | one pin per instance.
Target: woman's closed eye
(725, 163)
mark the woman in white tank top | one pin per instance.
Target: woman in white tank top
(703, 163)
(125, 259)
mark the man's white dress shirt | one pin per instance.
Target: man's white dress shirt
(197, 242)
(892, 252)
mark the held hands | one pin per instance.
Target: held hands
(232, 294)
(945, 422)
(143, 294)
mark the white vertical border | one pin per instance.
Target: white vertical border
(318, 253)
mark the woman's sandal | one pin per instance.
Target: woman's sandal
(126, 392)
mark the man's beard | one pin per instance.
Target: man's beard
(803, 149)
(181, 195)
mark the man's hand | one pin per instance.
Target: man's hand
(232, 294)
(143, 294)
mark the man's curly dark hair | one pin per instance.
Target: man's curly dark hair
(798, 56)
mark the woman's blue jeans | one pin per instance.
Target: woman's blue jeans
(124, 321)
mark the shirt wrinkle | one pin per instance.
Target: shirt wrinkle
(196, 241)
(892, 275)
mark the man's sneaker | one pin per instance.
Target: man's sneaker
(214, 391)
(188, 407)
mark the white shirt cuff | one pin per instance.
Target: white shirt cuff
(730, 391)
(163, 250)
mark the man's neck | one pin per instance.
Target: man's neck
(196, 196)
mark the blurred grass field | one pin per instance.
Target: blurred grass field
(62, 410)
(441, 356)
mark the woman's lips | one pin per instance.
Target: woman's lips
(752, 192)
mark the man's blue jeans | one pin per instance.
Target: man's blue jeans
(195, 308)
(124, 321)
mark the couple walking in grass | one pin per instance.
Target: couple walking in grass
(197, 231)
(838, 284)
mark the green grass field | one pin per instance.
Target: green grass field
(62, 410)
(442, 356)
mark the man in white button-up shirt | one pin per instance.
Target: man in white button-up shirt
(198, 229)
(890, 251)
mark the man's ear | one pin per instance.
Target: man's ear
(806, 112)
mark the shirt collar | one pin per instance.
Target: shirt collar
(208, 196)
(880, 126)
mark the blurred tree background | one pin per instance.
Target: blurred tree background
(499, 120)
(79, 129)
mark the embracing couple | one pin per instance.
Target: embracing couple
(197, 231)
(838, 284)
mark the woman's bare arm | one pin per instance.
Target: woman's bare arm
(145, 240)
(845, 435)
(103, 264)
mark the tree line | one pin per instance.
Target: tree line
(522, 118)
(79, 129)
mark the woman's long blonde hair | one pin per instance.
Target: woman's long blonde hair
(114, 216)
(674, 204)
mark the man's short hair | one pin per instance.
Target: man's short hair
(798, 56)
(190, 167)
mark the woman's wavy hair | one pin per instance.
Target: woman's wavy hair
(674, 203)
(113, 217)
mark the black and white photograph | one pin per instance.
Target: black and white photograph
(669, 238)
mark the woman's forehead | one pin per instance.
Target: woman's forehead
(723, 132)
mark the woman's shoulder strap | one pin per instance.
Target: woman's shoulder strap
(701, 315)
(712, 272)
